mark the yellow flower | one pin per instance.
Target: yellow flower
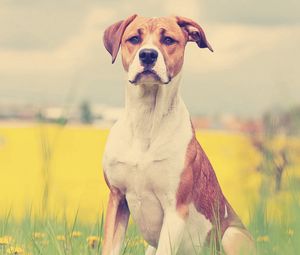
(263, 239)
(15, 250)
(4, 240)
(76, 234)
(38, 235)
(61, 238)
(93, 241)
(290, 232)
(134, 242)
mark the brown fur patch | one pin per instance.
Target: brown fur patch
(199, 185)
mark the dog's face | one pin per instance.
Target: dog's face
(153, 48)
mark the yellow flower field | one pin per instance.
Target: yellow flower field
(67, 161)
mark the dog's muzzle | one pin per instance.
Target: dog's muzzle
(148, 68)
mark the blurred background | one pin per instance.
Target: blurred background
(52, 55)
(60, 94)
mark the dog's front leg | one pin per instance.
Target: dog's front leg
(171, 233)
(116, 222)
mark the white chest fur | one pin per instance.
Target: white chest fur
(151, 138)
(131, 160)
(145, 153)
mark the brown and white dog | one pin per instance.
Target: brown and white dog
(154, 166)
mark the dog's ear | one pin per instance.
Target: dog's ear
(194, 32)
(113, 36)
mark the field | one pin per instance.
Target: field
(53, 195)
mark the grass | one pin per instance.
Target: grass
(35, 235)
(56, 236)
(53, 193)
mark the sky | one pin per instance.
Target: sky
(51, 53)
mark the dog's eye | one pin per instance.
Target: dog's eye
(168, 40)
(134, 39)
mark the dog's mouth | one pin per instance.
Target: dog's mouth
(148, 74)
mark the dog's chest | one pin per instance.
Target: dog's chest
(147, 172)
(137, 165)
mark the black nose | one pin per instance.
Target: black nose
(148, 56)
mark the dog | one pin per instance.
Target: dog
(153, 165)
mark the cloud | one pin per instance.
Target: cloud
(235, 43)
(27, 27)
(68, 55)
(270, 12)
(252, 69)
(43, 75)
(45, 49)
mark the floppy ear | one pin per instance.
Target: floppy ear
(194, 32)
(113, 36)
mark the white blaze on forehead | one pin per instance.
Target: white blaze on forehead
(159, 67)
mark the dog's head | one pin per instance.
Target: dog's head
(152, 48)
